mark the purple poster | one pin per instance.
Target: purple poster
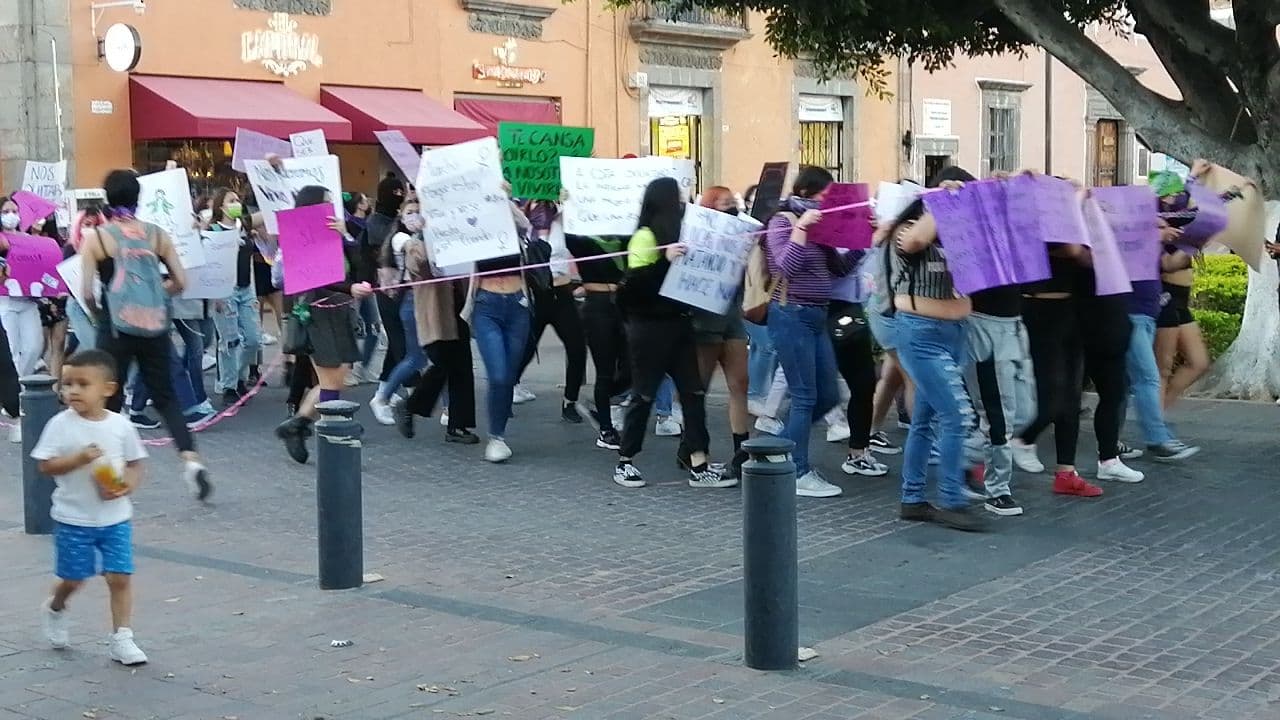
(1108, 264)
(310, 250)
(1130, 212)
(1210, 215)
(971, 259)
(849, 228)
(1045, 208)
(33, 266)
(31, 208)
(402, 152)
(252, 145)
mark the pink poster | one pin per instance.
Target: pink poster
(31, 208)
(402, 152)
(33, 266)
(849, 228)
(310, 250)
(252, 145)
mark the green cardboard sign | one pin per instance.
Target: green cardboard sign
(531, 156)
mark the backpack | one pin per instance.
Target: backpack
(758, 285)
(137, 302)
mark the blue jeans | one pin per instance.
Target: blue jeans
(501, 324)
(81, 326)
(195, 335)
(799, 334)
(239, 336)
(762, 362)
(415, 359)
(665, 398)
(934, 354)
(370, 320)
(1144, 382)
(182, 387)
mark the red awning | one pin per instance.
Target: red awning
(490, 112)
(170, 108)
(422, 120)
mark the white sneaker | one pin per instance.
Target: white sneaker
(838, 432)
(770, 426)
(677, 414)
(55, 626)
(667, 427)
(1025, 457)
(755, 408)
(864, 464)
(812, 484)
(354, 378)
(15, 432)
(444, 419)
(269, 339)
(521, 395)
(497, 451)
(1117, 471)
(382, 412)
(628, 475)
(124, 650)
(196, 476)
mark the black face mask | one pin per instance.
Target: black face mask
(731, 211)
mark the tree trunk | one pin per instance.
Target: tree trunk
(1250, 368)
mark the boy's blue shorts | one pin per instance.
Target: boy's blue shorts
(77, 549)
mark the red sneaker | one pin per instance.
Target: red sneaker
(1070, 483)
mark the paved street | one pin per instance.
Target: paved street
(539, 589)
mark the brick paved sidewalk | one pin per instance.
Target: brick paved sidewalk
(541, 590)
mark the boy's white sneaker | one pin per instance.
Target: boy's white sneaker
(124, 650)
(55, 625)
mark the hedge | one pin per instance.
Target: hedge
(1217, 299)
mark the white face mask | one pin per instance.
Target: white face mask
(412, 221)
(9, 220)
(206, 214)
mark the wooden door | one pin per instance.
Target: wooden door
(1106, 168)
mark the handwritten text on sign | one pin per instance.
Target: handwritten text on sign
(982, 253)
(1109, 272)
(401, 151)
(166, 202)
(468, 215)
(49, 181)
(710, 272)
(311, 250)
(605, 195)
(276, 189)
(1044, 209)
(216, 278)
(33, 266)
(253, 145)
(531, 156)
(309, 144)
(1131, 212)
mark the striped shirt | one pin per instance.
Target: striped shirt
(923, 274)
(808, 269)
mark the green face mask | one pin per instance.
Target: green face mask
(233, 211)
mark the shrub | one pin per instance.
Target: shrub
(1219, 329)
(1221, 283)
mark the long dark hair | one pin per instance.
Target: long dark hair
(310, 195)
(387, 253)
(216, 201)
(662, 210)
(811, 181)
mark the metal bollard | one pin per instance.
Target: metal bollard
(39, 405)
(339, 509)
(770, 572)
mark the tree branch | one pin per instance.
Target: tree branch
(1165, 123)
(1190, 23)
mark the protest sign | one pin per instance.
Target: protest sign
(605, 195)
(276, 189)
(1044, 209)
(216, 278)
(402, 152)
(165, 201)
(893, 198)
(531, 156)
(309, 144)
(311, 250)
(49, 181)
(72, 272)
(1210, 216)
(1108, 264)
(981, 252)
(769, 190)
(1130, 212)
(710, 272)
(33, 266)
(468, 215)
(250, 145)
(1246, 214)
(31, 208)
(849, 228)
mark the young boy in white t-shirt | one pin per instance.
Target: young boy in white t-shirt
(96, 457)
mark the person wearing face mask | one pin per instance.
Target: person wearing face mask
(393, 271)
(20, 315)
(236, 317)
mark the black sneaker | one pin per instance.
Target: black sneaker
(242, 389)
(1173, 451)
(609, 440)
(880, 443)
(569, 413)
(1004, 506)
(734, 469)
(461, 435)
(255, 376)
(294, 432)
(917, 512)
(962, 519)
(143, 421)
(230, 397)
(1127, 452)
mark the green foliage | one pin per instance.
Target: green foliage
(1219, 329)
(1221, 284)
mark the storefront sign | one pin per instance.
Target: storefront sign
(531, 156)
(101, 107)
(280, 48)
(122, 47)
(937, 118)
(506, 72)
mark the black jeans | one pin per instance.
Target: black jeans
(389, 311)
(660, 347)
(1106, 349)
(851, 338)
(302, 380)
(451, 366)
(152, 355)
(1058, 359)
(607, 338)
(9, 388)
(558, 308)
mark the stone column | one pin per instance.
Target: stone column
(28, 110)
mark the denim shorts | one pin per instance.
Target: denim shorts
(77, 550)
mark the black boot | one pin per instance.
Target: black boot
(294, 432)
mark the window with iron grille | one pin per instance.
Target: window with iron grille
(1001, 127)
(821, 146)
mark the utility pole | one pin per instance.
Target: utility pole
(1048, 113)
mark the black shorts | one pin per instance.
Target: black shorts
(1176, 310)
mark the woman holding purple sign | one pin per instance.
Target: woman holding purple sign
(1177, 332)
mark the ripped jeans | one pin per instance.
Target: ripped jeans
(239, 337)
(934, 354)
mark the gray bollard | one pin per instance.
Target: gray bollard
(39, 405)
(339, 510)
(770, 573)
